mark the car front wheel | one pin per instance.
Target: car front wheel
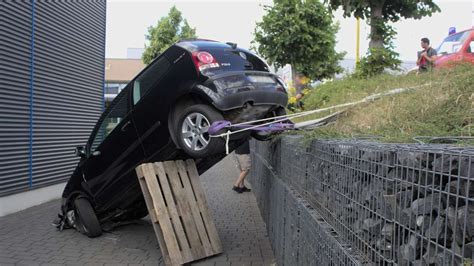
(192, 131)
(87, 221)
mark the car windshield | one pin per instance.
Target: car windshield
(452, 44)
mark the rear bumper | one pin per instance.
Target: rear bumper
(232, 90)
(255, 97)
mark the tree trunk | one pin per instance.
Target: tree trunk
(376, 18)
(293, 74)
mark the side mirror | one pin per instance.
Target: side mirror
(80, 151)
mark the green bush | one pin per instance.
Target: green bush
(376, 62)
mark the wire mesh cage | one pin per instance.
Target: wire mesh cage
(394, 204)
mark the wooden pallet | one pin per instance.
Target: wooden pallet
(179, 211)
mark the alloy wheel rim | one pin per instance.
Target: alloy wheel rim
(194, 131)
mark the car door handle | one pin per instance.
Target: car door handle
(125, 126)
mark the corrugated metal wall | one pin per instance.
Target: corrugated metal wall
(51, 79)
(15, 69)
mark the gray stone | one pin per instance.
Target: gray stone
(409, 158)
(466, 214)
(427, 205)
(455, 225)
(407, 218)
(445, 164)
(460, 188)
(466, 169)
(409, 251)
(374, 156)
(372, 226)
(387, 230)
(429, 257)
(383, 245)
(436, 229)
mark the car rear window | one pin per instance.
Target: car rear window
(234, 60)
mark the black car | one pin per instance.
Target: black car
(164, 114)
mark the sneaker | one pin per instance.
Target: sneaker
(245, 189)
(237, 189)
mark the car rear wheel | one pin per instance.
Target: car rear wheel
(264, 136)
(192, 135)
(86, 220)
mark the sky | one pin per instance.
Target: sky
(234, 21)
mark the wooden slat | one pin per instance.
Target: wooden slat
(183, 226)
(186, 213)
(194, 208)
(149, 204)
(173, 211)
(203, 207)
(162, 215)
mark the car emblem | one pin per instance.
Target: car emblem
(243, 55)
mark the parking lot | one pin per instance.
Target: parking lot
(28, 238)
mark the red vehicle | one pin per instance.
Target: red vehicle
(456, 48)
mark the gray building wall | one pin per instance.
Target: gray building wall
(51, 83)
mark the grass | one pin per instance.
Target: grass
(442, 107)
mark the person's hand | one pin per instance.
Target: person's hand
(424, 54)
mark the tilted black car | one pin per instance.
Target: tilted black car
(164, 114)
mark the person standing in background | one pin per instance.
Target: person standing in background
(242, 155)
(427, 57)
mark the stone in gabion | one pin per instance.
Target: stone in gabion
(436, 229)
(409, 251)
(372, 226)
(387, 230)
(467, 214)
(409, 158)
(427, 205)
(404, 198)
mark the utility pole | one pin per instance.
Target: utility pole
(357, 40)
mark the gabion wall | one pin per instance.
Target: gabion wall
(379, 204)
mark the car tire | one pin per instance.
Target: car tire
(264, 136)
(86, 220)
(192, 134)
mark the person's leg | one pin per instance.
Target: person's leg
(245, 163)
(240, 181)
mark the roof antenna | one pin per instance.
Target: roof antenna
(234, 45)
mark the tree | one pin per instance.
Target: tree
(378, 14)
(167, 31)
(300, 33)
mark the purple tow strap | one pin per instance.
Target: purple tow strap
(217, 126)
(279, 126)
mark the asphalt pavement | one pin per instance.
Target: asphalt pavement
(28, 237)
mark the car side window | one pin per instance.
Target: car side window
(470, 48)
(113, 116)
(149, 78)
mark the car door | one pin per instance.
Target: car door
(469, 56)
(113, 152)
(150, 106)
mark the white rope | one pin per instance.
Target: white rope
(227, 142)
(366, 99)
(283, 118)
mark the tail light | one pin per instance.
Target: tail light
(204, 60)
